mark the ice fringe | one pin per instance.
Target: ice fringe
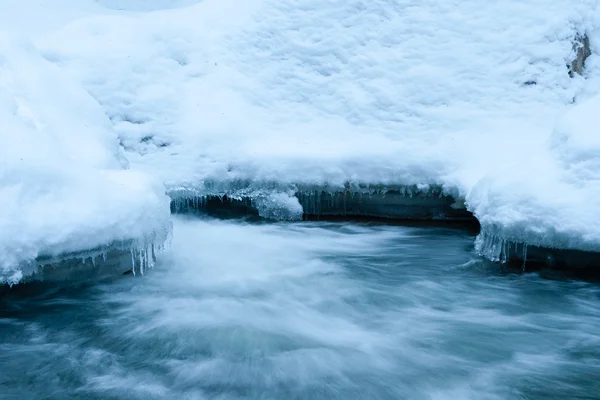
(498, 249)
(146, 258)
(293, 202)
(106, 261)
(280, 205)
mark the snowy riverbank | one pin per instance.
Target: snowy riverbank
(470, 98)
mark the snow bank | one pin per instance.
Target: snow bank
(62, 186)
(313, 92)
(288, 94)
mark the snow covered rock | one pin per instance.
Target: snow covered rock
(63, 188)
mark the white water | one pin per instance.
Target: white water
(307, 311)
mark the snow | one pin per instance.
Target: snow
(551, 198)
(280, 95)
(62, 186)
(576, 142)
(35, 17)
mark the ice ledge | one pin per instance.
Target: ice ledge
(86, 266)
(529, 253)
(296, 202)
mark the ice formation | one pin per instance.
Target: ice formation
(282, 98)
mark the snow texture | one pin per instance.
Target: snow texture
(283, 94)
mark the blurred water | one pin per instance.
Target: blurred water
(307, 311)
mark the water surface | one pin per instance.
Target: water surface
(307, 311)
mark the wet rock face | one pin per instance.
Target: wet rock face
(581, 50)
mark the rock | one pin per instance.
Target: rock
(581, 50)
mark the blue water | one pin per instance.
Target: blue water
(307, 311)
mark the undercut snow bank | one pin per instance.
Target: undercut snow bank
(62, 186)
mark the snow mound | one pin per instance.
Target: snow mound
(551, 198)
(62, 186)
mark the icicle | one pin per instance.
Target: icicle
(149, 257)
(141, 260)
(494, 249)
(132, 262)
(524, 255)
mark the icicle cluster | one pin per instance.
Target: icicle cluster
(495, 248)
(278, 203)
(145, 258)
(315, 202)
(182, 204)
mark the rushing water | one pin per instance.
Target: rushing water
(307, 311)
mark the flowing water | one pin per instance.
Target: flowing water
(307, 311)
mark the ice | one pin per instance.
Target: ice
(284, 97)
(279, 206)
(63, 188)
